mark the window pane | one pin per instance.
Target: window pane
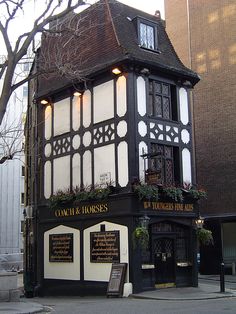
(158, 106)
(150, 37)
(157, 87)
(166, 108)
(169, 172)
(143, 35)
(165, 89)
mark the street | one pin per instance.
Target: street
(97, 305)
(136, 306)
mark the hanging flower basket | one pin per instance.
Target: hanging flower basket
(204, 236)
(141, 238)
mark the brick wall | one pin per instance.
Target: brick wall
(211, 34)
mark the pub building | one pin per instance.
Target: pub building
(99, 147)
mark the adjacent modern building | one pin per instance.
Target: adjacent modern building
(114, 115)
(12, 170)
(203, 34)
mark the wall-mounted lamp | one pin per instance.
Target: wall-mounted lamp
(144, 221)
(77, 93)
(116, 71)
(44, 102)
(199, 222)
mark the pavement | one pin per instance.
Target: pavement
(202, 292)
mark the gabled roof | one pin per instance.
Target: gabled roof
(105, 35)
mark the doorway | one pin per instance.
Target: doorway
(164, 261)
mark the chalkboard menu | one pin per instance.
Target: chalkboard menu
(61, 247)
(117, 279)
(105, 247)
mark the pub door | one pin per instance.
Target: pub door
(163, 250)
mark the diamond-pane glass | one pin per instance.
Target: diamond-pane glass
(157, 87)
(165, 89)
(169, 172)
(143, 35)
(168, 151)
(150, 37)
(158, 106)
(151, 110)
(166, 108)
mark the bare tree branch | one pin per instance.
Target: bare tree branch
(24, 41)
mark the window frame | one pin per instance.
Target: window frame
(173, 100)
(164, 159)
(139, 21)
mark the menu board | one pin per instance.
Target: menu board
(105, 247)
(117, 279)
(61, 247)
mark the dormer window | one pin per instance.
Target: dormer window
(147, 36)
(147, 33)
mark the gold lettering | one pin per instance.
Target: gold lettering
(188, 207)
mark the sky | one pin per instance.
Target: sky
(149, 6)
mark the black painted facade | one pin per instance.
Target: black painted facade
(171, 227)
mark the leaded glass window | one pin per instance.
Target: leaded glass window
(163, 161)
(162, 100)
(147, 38)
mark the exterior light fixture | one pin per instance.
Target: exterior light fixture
(116, 71)
(144, 221)
(199, 222)
(44, 101)
(76, 93)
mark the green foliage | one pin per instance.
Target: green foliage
(61, 198)
(197, 194)
(67, 197)
(146, 192)
(204, 236)
(176, 194)
(141, 237)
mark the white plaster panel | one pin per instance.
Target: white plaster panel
(48, 122)
(152, 135)
(103, 101)
(142, 128)
(122, 128)
(48, 150)
(76, 141)
(141, 96)
(47, 179)
(183, 99)
(123, 166)
(185, 136)
(57, 270)
(87, 139)
(61, 173)
(87, 168)
(186, 164)
(142, 150)
(104, 161)
(76, 113)
(101, 271)
(62, 116)
(76, 171)
(121, 96)
(86, 108)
